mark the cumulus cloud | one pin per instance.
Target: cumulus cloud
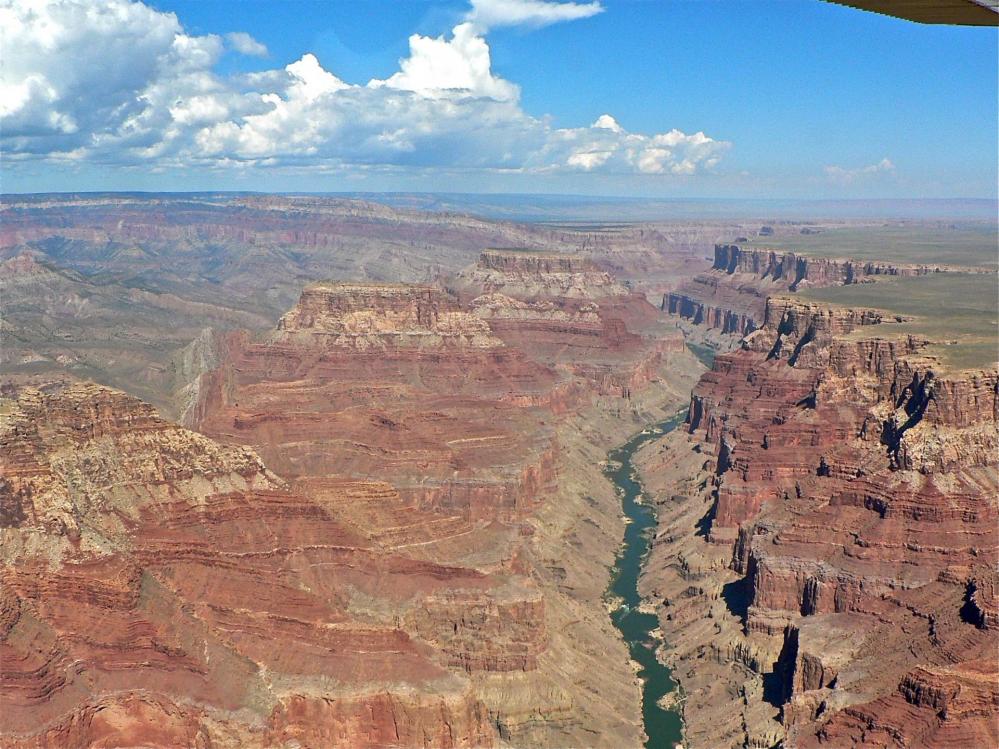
(489, 14)
(606, 146)
(63, 72)
(847, 176)
(117, 82)
(444, 67)
(246, 44)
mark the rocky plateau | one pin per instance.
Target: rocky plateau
(828, 530)
(304, 472)
(397, 484)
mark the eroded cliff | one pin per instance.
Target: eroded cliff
(486, 420)
(731, 296)
(828, 538)
(148, 571)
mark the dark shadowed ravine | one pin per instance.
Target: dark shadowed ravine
(663, 727)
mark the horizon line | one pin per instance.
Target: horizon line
(4, 194)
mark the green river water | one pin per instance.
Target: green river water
(663, 727)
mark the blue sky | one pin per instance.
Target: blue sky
(711, 99)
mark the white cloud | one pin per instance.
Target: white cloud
(847, 176)
(117, 82)
(310, 81)
(246, 44)
(605, 145)
(607, 122)
(438, 67)
(489, 14)
(70, 68)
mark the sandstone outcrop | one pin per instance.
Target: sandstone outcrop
(563, 311)
(148, 571)
(368, 315)
(844, 531)
(107, 271)
(732, 295)
(530, 274)
(464, 408)
(390, 381)
(797, 270)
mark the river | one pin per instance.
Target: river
(663, 727)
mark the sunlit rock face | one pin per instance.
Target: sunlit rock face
(114, 288)
(369, 315)
(527, 274)
(148, 572)
(394, 381)
(853, 480)
(797, 270)
(731, 297)
(390, 527)
(563, 310)
(455, 403)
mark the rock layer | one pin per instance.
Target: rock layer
(731, 296)
(148, 572)
(842, 538)
(462, 405)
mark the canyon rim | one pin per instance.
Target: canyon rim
(528, 374)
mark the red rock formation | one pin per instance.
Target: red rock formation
(562, 310)
(854, 479)
(951, 706)
(365, 316)
(732, 295)
(798, 270)
(530, 275)
(394, 381)
(148, 572)
(706, 302)
(456, 406)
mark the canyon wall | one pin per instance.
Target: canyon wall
(476, 411)
(398, 484)
(804, 270)
(731, 296)
(838, 489)
(148, 572)
(87, 281)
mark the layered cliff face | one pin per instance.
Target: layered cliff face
(530, 274)
(148, 572)
(562, 310)
(799, 270)
(710, 300)
(120, 285)
(841, 487)
(370, 315)
(484, 463)
(731, 296)
(112, 288)
(394, 381)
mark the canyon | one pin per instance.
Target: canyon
(304, 472)
(87, 279)
(828, 528)
(383, 523)
(731, 296)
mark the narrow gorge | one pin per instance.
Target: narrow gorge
(511, 502)
(825, 559)
(638, 626)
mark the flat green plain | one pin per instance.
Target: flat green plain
(959, 311)
(965, 244)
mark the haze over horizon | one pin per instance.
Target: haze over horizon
(516, 96)
(499, 374)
